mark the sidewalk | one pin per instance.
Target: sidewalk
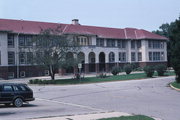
(26, 80)
(89, 116)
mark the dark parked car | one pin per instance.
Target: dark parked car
(15, 93)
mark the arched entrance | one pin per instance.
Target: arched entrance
(92, 66)
(81, 59)
(102, 67)
(111, 61)
(69, 58)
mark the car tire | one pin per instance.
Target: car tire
(18, 102)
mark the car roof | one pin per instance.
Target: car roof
(13, 84)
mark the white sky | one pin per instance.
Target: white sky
(141, 14)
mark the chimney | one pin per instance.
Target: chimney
(75, 22)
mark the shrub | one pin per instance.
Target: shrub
(161, 69)
(149, 70)
(128, 68)
(102, 75)
(39, 81)
(115, 70)
(134, 66)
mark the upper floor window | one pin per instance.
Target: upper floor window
(84, 41)
(111, 57)
(138, 44)
(11, 58)
(100, 42)
(111, 43)
(133, 44)
(155, 44)
(122, 56)
(25, 40)
(121, 44)
(10, 40)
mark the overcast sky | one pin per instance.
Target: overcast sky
(142, 14)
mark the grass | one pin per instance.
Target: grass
(136, 117)
(175, 84)
(98, 79)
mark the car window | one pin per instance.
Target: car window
(22, 88)
(16, 88)
(0, 88)
(7, 88)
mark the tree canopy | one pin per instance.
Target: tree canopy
(175, 49)
(51, 47)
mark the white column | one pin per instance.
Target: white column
(129, 50)
(4, 49)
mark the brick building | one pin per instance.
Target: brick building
(102, 47)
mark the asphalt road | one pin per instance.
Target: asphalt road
(151, 97)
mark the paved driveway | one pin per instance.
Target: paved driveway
(150, 97)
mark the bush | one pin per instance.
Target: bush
(149, 70)
(161, 69)
(128, 68)
(39, 81)
(115, 70)
(102, 75)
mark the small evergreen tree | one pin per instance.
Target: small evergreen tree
(128, 68)
(161, 69)
(149, 70)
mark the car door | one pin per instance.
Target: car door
(7, 93)
(24, 91)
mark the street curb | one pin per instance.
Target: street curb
(174, 87)
(92, 116)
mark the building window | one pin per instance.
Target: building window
(46, 72)
(11, 58)
(133, 56)
(110, 43)
(22, 74)
(133, 44)
(82, 40)
(111, 57)
(10, 75)
(156, 56)
(100, 42)
(154, 44)
(122, 56)
(150, 56)
(121, 44)
(22, 58)
(29, 57)
(10, 40)
(25, 40)
(138, 44)
(139, 56)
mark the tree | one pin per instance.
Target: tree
(175, 48)
(166, 31)
(51, 47)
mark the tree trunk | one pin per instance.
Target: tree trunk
(52, 73)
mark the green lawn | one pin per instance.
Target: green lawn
(176, 85)
(136, 117)
(98, 79)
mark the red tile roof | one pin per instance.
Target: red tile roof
(32, 27)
